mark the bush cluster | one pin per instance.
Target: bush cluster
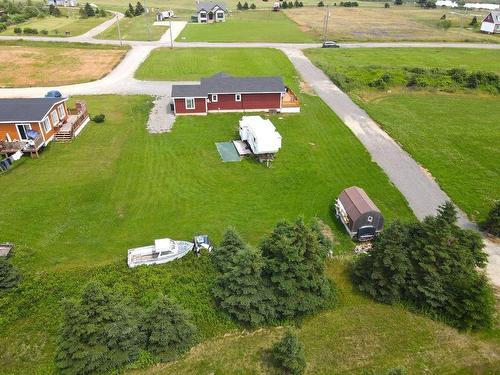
(431, 266)
(99, 118)
(134, 12)
(103, 331)
(245, 6)
(89, 11)
(296, 4)
(283, 279)
(492, 222)
(17, 11)
(30, 31)
(349, 4)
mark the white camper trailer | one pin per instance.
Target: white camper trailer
(260, 134)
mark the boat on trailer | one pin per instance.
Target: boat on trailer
(163, 251)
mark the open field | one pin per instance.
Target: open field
(72, 25)
(249, 26)
(52, 66)
(393, 24)
(358, 337)
(189, 64)
(454, 136)
(135, 29)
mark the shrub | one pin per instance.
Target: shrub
(398, 2)
(387, 5)
(253, 6)
(245, 6)
(88, 10)
(239, 6)
(139, 9)
(99, 118)
(473, 22)
(290, 4)
(129, 14)
(29, 30)
(9, 276)
(288, 355)
(432, 266)
(44, 32)
(321, 4)
(18, 30)
(444, 24)
(3, 26)
(284, 5)
(492, 222)
(98, 333)
(170, 335)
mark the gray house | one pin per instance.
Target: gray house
(210, 11)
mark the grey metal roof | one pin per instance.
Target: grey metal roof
(222, 83)
(186, 91)
(26, 109)
(209, 5)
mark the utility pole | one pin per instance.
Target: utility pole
(119, 32)
(146, 17)
(327, 18)
(170, 29)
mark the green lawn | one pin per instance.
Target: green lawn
(358, 337)
(59, 26)
(249, 26)
(184, 64)
(135, 28)
(454, 136)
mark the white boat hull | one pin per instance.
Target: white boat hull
(148, 255)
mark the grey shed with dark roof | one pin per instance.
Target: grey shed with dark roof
(360, 216)
(26, 109)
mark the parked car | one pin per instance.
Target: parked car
(330, 44)
(53, 94)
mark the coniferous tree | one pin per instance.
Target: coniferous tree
(167, 330)
(239, 6)
(224, 253)
(288, 355)
(492, 222)
(432, 265)
(89, 11)
(240, 291)
(9, 276)
(294, 258)
(245, 6)
(98, 333)
(139, 9)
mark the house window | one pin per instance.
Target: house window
(189, 103)
(61, 111)
(220, 15)
(203, 15)
(55, 119)
(215, 98)
(46, 124)
(23, 130)
(237, 97)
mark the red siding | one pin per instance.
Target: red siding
(248, 101)
(199, 106)
(225, 102)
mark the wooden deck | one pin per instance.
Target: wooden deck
(31, 147)
(77, 118)
(290, 100)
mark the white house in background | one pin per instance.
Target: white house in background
(63, 3)
(482, 6)
(209, 12)
(491, 23)
(260, 134)
(162, 15)
(446, 3)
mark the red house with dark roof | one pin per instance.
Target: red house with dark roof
(224, 93)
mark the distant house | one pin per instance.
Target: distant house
(491, 23)
(209, 12)
(224, 93)
(164, 15)
(63, 3)
(446, 3)
(30, 124)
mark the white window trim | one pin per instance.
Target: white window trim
(56, 119)
(46, 122)
(186, 100)
(237, 97)
(219, 14)
(60, 108)
(17, 129)
(215, 98)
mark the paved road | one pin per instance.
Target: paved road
(419, 188)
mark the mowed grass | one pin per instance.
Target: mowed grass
(455, 136)
(397, 23)
(23, 65)
(72, 25)
(135, 28)
(249, 26)
(185, 64)
(358, 337)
